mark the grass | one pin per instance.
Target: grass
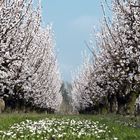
(7, 119)
(61, 127)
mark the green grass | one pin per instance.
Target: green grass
(123, 128)
(6, 120)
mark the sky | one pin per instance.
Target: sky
(72, 22)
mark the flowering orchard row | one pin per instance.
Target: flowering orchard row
(29, 73)
(109, 80)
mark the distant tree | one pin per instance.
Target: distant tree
(66, 105)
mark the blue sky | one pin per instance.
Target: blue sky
(72, 23)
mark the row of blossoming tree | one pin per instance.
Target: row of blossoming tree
(29, 73)
(109, 81)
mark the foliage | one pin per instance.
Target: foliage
(66, 105)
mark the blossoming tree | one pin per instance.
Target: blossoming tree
(115, 73)
(28, 66)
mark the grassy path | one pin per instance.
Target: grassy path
(59, 127)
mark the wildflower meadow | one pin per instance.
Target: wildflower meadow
(52, 127)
